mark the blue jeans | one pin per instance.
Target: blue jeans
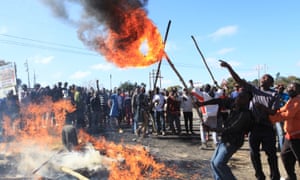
(280, 134)
(135, 121)
(220, 158)
(160, 121)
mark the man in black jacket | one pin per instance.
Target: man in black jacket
(263, 133)
(238, 123)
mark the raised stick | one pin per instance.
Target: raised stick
(182, 81)
(159, 64)
(203, 58)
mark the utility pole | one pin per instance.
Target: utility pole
(34, 77)
(259, 68)
(153, 76)
(110, 82)
(150, 80)
(27, 70)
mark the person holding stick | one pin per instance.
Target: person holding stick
(237, 124)
(262, 133)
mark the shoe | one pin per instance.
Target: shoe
(163, 133)
(204, 146)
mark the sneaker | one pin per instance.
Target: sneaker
(120, 130)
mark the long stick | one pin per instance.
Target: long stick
(159, 64)
(44, 163)
(203, 58)
(182, 81)
(175, 70)
(73, 173)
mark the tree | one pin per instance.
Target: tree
(128, 86)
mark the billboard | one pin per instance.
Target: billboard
(8, 79)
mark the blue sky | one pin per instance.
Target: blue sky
(256, 37)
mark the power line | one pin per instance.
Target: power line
(40, 41)
(40, 46)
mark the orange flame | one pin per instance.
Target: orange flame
(139, 164)
(133, 42)
(38, 123)
(36, 127)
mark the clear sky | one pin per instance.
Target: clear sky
(256, 37)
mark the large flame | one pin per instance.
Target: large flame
(39, 127)
(118, 29)
(130, 38)
(137, 43)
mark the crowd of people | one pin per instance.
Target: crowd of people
(260, 113)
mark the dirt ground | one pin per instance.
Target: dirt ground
(184, 152)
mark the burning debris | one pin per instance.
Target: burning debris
(35, 150)
(118, 29)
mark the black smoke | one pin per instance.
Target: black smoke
(98, 18)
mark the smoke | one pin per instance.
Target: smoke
(48, 163)
(102, 24)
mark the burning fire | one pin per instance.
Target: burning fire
(119, 30)
(35, 136)
(131, 38)
(125, 47)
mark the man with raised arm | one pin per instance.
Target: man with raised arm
(263, 133)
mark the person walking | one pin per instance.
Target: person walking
(142, 103)
(262, 133)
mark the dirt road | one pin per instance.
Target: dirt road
(183, 151)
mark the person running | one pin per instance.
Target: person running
(262, 133)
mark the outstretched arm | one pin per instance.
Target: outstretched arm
(209, 102)
(234, 75)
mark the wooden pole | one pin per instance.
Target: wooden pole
(44, 163)
(73, 173)
(205, 63)
(159, 64)
(182, 81)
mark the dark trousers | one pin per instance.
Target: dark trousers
(160, 121)
(266, 137)
(188, 121)
(290, 153)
